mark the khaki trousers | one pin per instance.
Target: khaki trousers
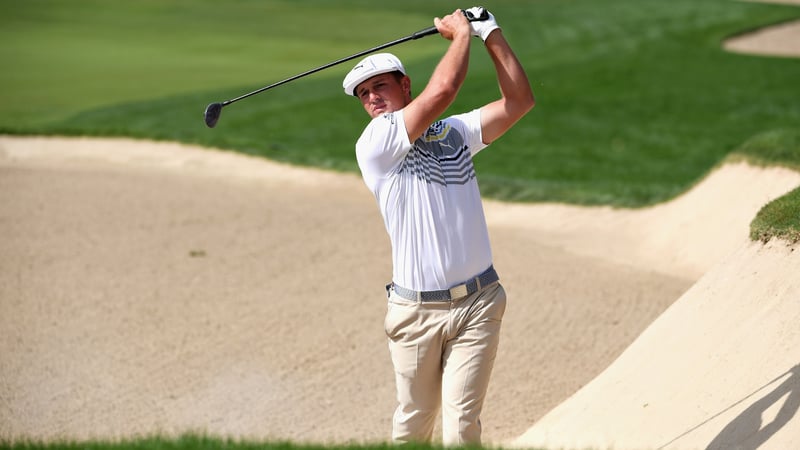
(443, 354)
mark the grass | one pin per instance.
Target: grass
(771, 148)
(636, 100)
(778, 219)
(781, 217)
(197, 442)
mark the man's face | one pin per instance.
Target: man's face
(384, 93)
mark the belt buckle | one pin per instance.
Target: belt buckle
(459, 291)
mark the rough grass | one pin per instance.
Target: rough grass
(778, 219)
(781, 217)
(196, 441)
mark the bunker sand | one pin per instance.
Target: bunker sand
(155, 287)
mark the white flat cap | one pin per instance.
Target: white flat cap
(369, 67)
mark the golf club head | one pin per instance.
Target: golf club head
(212, 114)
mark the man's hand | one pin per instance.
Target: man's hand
(481, 28)
(451, 25)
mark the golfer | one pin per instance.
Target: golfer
(445, 303)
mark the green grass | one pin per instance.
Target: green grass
(770, 148)
(778, 219)
(781, 217)
(196, 442)
(636, 100)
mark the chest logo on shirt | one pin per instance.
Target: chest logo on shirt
(440, 156)
(389, 117)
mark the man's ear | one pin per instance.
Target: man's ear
(405, 83)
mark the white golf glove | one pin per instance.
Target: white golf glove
(481, 28)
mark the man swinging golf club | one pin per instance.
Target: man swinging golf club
(445, 302)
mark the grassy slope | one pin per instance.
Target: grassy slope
(636, 100)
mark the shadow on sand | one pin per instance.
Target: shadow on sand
(746, 431)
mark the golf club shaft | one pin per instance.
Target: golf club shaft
(421, 33)
(213, 110)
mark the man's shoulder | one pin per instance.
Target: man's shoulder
(384, 124)
(387, 119)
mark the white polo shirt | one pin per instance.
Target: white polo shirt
(429, 198)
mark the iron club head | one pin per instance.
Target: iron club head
(212, 114)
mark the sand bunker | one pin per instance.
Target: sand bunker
(780, 40)
(720, 369)
(155, 287)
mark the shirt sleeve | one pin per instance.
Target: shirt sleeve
(470, 123)
(382, 146)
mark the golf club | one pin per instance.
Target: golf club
(215, 109)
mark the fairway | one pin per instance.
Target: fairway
(636, 100)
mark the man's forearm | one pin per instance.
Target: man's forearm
(451, 71)
(442, 87)
(514, 84)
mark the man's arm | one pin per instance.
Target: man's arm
(517, 97)
(446, 80)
